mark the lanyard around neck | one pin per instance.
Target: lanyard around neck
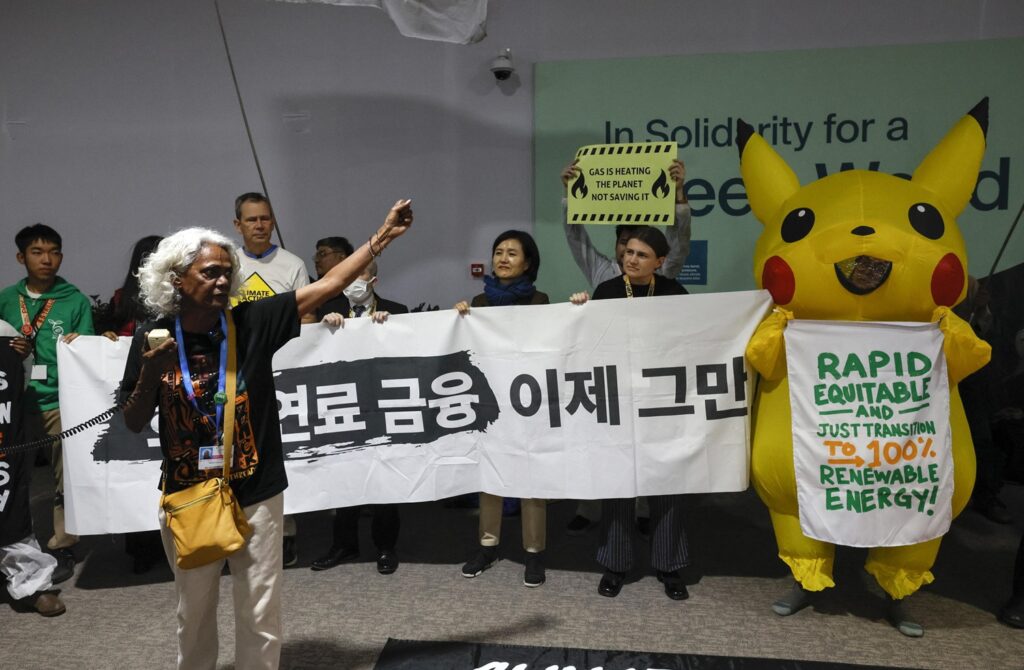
(629, 286)
(186, 378)
(30, 327)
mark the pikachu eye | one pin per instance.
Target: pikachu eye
(926, 220)
(797, 224)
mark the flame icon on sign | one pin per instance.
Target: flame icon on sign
(579, 187)
(660, 187)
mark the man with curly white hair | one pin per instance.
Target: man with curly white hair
(187, 283)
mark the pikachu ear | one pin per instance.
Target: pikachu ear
(767, 177)
(950, 171)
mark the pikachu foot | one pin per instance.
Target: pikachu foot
(902, 620)
(792, 601)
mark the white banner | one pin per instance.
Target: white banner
(612, 399)
(457, 21)
(871, 440)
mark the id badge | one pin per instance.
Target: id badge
(211, 458)
(38, 373)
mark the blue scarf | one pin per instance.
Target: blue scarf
(497, 294)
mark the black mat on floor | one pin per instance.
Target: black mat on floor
(418, 655)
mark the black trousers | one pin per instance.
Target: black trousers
(989, 452)
(669, 550)
(383, 529)
(1018, 573)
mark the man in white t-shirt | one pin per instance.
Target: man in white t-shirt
(265, 270)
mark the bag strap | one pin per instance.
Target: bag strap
(231, 386)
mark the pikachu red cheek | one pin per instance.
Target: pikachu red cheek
(778, 278)
(947, 281)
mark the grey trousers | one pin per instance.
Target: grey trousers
(669, 550)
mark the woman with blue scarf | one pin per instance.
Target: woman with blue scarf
(515, 261)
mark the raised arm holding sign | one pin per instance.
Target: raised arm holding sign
(599, 268)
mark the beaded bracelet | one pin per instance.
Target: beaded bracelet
(380, 243)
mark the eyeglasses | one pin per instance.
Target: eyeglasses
(214, 272)
(324, 253)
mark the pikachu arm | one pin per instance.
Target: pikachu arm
(965, 352)
(766, 349)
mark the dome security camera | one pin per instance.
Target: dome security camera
(502, 66)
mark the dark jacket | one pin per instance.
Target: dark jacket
(341, 305)
(538, 298)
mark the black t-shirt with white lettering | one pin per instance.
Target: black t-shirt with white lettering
(257, 471)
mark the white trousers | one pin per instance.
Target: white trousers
(27, 568)
(256, 582)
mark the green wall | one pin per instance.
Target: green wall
(888, 105)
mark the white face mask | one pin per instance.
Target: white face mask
(359, 291)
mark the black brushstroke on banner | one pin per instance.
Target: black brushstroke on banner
(414, 655)
(450, 395)
(116, 443)
(347, 405)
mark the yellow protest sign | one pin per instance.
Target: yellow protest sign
(623, 183)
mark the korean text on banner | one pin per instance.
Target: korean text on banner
(623, 183)
(871, 436)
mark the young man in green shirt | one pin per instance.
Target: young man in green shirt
(45, 308)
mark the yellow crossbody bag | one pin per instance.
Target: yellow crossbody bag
(205, 519)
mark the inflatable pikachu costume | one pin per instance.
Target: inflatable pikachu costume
(858, 246)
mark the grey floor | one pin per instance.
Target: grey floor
(342, 617)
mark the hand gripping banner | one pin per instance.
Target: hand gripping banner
(623, 184)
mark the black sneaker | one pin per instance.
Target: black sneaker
(387, 561)
(487, 557)
(579, 525)
(65, 569)
(1012, 613)
(533, 576)
(289, 555)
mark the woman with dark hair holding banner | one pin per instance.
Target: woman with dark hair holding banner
(187, 283)
(126, 308)
(515, 261)
(125, 314)
(646, 249)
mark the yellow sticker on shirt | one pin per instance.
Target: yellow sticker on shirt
(253, 288)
